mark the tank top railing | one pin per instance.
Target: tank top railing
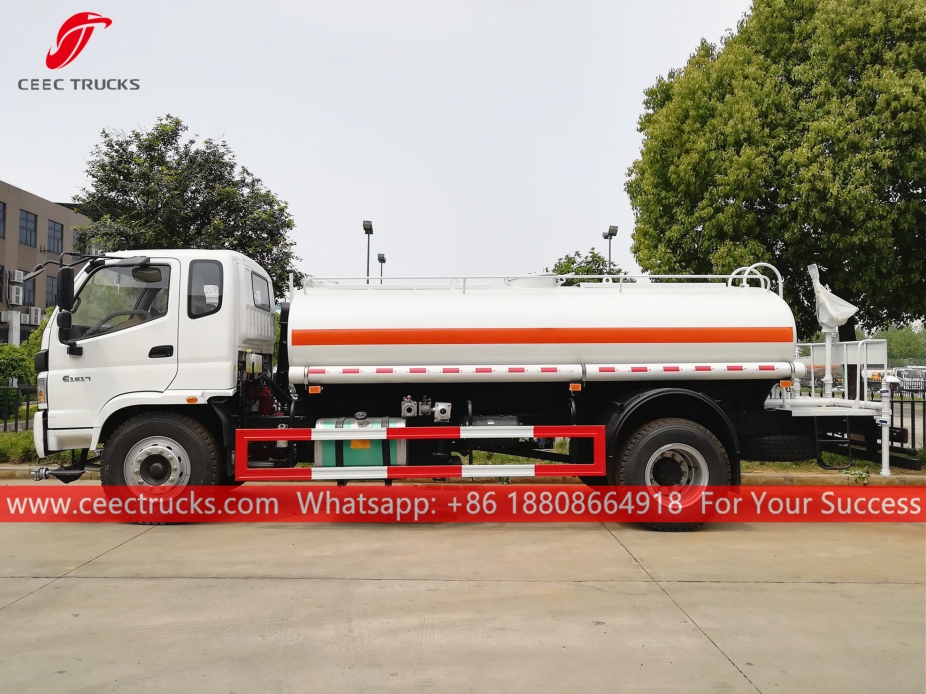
(743, 277)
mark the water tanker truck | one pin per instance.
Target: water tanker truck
(157, 368)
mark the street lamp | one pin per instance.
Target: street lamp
(382, 261)
(609, 234)
(368, 230)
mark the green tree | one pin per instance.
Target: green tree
(801, 139)
(159, 189)
(13, 364)
(31, 346)
(592, 263)
(905, 346)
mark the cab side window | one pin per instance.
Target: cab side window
(205, 294)
(261, 289)
(115, 298)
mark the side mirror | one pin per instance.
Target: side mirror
(65, 291)
(64, 326)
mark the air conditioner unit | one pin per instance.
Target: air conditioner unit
(16, 276)
(35, 315)
(14, 295)
(5, 316)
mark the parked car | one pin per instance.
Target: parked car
(911, 381)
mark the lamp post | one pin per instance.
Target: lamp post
(368, 230)
(381, 257)
(609, 234)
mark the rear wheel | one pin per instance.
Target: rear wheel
(671, 453)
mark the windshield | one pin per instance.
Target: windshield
(115, 298)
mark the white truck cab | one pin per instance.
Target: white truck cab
(149, 329)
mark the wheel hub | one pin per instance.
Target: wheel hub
(157, 461)
(677, 465)
(667, 472)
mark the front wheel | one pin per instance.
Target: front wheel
(671, 453)
(161, 449)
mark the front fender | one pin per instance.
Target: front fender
(152, 400)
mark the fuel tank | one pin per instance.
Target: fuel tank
(522, 323)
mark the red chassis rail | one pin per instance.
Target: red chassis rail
(244, 436)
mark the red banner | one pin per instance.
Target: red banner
(365, 503)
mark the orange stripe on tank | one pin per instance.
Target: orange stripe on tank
(537, 336)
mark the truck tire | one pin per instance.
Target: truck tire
(161, 449)
(668, 452)
(780, 448)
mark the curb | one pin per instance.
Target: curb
(21, 472)
(808, 479)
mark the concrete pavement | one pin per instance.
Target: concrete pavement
(453, 608)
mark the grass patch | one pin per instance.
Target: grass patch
(859, 467)
(24, 413)
(18, 447)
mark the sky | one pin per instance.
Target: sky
(480, 138)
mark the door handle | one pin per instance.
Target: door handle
(161, 351)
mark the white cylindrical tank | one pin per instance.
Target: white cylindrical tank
(529, 325)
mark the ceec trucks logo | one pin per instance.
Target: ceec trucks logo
(72, 37)
(70, 42)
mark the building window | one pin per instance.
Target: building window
(2, 220)
(2, 281)
(55, 237)
(29, 291)
(27, 225)
(51, 291)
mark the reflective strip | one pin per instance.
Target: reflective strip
(535, 373)
(348, 434)
(500, 432)
(497, 471)
(349, 473)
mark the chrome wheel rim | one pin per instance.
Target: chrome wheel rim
(678, 465)
(158, 462)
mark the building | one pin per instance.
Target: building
(32, 230)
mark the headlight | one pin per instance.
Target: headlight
(41, 390)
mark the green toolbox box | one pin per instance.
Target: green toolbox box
(360, 452)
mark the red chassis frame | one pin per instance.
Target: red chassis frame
(244, 436)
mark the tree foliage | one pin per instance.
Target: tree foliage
(13, 364)
(31, 346)
(905, 346)
(155, 189)
(592, 263)
(801, 139)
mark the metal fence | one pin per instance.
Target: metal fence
(17, 407)
(908, 411)
(911, 387)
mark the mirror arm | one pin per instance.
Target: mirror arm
(37, 270)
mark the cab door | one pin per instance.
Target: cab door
(124, 323)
